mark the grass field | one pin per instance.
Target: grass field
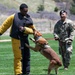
(39, 64)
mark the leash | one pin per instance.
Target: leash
(49, 38)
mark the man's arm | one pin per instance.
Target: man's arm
(70, 33)
(30, 29)
(27, 30)
(6, 24)
(71, 37)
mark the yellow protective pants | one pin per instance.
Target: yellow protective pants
(17, 56)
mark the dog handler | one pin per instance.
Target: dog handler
(21, 25)
(64, 33)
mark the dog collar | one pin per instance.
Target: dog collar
(46, 46)
(38, 38)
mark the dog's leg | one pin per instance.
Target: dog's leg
(32, 39)
(36, 48)
(56, 70)
(50, 68)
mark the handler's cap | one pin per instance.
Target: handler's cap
(62, 11)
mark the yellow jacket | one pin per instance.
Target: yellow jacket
(8, 23)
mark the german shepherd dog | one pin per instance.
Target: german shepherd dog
(42, 46)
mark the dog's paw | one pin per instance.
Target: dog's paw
(32, 39)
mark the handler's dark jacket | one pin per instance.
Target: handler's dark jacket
(20, 20)
(10, 21)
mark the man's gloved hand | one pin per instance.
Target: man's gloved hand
(21, 29)
(69, 42)
(56, 37)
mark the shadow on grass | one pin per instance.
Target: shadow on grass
(46, 74)
(45, 69)
(61, 69)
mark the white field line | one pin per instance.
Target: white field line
(5, 40)
(6, 74)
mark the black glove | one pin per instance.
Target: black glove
(21, 29)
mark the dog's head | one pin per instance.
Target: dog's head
(38, 38)
(37, 33)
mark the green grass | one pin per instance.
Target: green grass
(4, 37)
(39, 63)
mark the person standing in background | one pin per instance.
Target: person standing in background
(21, 25)
(64, 34)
